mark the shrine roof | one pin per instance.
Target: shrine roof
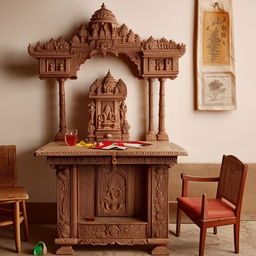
(103, 15)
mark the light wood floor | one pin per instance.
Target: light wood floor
(186, 245)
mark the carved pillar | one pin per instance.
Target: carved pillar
(151, 136)
(159, 207)
(74, 203)
(62, 111)
(162, 135)
(63, 201)
(64, 223)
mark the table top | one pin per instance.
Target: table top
(157, 148)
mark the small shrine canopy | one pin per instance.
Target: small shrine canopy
(153, 58)
(107, 110)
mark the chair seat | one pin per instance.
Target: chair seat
(13, 193)
(216, 207)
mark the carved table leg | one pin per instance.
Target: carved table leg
(158, 210)
(65, 250)
(63, 209)
(160, 250)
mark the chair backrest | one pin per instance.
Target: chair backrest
(7, 165)
(232, 179)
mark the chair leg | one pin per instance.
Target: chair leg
(178, 220)
(215, 230)
(17, 225)
(25, 222)
(236, 236)
(202, 240)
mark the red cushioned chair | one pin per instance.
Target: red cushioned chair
(223, 210)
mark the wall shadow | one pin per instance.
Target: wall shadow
(79, 113)
(19, 65)
(33, 173)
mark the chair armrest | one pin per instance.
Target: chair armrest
(186, 178)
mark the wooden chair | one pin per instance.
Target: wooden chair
(11, 197)
(225, 209)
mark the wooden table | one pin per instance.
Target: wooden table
(110, 196)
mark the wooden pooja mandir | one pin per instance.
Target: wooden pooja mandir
(153, 59)
(110, 196)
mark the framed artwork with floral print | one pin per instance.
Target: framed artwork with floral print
(216, 83)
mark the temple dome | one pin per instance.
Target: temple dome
(109, 80)
(103, 15)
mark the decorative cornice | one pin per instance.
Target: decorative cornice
(104, 36)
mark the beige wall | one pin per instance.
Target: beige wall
(29, 106)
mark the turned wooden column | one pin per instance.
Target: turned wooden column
(150, 136)
(162, 135)
(62, 111)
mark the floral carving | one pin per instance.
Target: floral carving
(63, 202)
(114, 241)
(112, 191)
(112, 231)
(162, 44)
(135, 57)
(160, 203)
(91, 124)
(53, 45)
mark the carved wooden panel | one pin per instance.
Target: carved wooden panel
(86, 186)
(63, 201)
(159, 179)
(55, 66)
(105, 231)
(132, 178)
(113, 241)
(112, 191)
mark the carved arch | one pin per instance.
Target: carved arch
(104, 36)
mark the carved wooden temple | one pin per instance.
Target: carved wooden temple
(110, 196)
(153, 58)
(107, 110)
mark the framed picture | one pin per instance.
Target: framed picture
(216, 83)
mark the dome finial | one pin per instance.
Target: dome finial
(103, 15)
